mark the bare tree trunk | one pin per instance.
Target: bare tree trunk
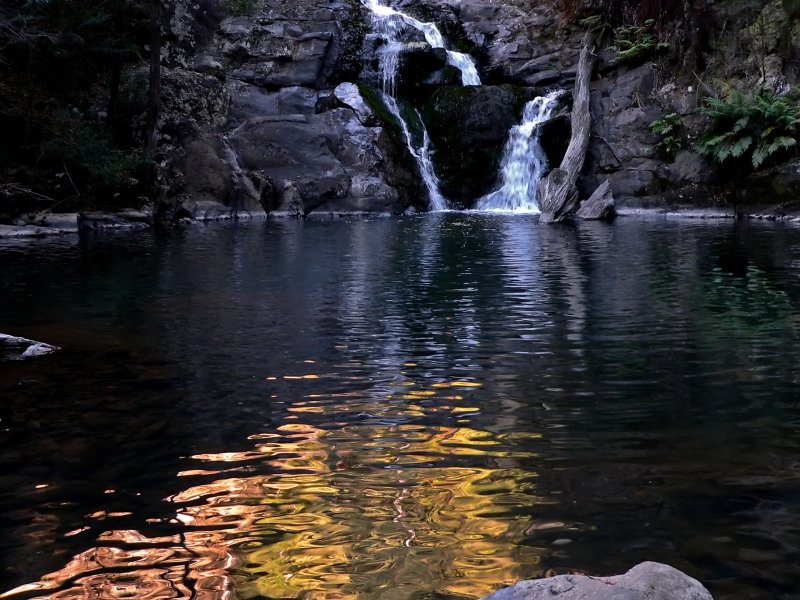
(559, 196)
(154, 96)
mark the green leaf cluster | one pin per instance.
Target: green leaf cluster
(637, 42)
(241, 7)
(756, 126)
(668, 128)
(93, 160)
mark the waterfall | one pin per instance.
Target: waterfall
(422, 155)
(523, 162)
(241, 183)
(390, 23)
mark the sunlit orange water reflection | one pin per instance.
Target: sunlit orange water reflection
(383, 508)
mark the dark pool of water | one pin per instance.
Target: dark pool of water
(425, 408)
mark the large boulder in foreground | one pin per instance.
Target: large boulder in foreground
(647, 581)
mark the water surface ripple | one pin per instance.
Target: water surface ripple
(400, 409)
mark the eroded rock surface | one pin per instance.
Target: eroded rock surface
(261, 117)
(646, 581)
(264, 111)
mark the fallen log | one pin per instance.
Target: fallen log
(557, 191)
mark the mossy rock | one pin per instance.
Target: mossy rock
(400, 168)
(468, 127)
(374, 100)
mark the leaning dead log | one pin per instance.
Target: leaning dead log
(599, 206)
(557, 192)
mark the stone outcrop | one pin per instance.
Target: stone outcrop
(646, 581)
(522, 42)
(258, 121)
(265, 112)
(18, 348)
(469, 127)
(622, 148)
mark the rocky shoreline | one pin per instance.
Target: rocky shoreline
(283, 112)
(131, 220)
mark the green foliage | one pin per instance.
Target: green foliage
(241, 7)
(669, 128)
(91, 157)
(634, 43)
(594, 23)
(757, 126)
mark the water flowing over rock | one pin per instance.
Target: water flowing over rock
(389, 24)
(524, 161)
(469, 127)
(226, 76)
(646, 581)
(421, 154)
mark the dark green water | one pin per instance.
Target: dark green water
(425, 408)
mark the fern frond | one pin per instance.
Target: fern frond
(783, 141)
(759, 156)
(740, 146)
(741, 124)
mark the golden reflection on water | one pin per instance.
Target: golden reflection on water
(385, 507)
(365, 512)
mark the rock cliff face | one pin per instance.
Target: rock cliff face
(262, 111)
(253, 121)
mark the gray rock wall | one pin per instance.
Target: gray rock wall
(253, 124)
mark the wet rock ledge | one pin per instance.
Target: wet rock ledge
(46, 223)
(646, 581)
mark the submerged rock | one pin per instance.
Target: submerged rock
(646, 581)
(18, 348)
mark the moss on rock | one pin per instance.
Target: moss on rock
(469, 127)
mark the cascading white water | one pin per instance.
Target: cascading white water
(390, 23)
(422, 155)
(241, 182)
(523, 162)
